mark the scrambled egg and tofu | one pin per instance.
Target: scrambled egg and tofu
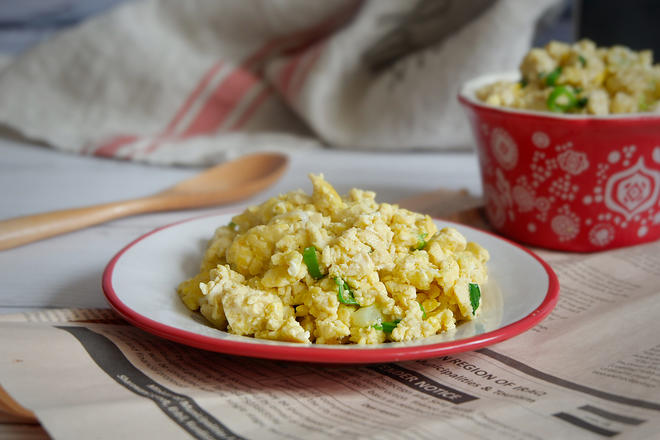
(333, 270)
(581, 78)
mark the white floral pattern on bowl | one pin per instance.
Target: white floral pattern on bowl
(625, 194)
(567, 182)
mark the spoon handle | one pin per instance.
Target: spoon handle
(22, 230)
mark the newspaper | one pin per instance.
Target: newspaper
(591, 369)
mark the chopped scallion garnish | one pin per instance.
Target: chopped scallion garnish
(561, 99)
(553, 76)
(232, 225)
(312, 262)
(475, 297)
(344, 293)
(421, 307)
(421, 240)
(387, 326)
(582, 60)
(523, 82)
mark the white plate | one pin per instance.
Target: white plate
(140, 283)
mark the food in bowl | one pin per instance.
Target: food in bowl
(570, 182)
(336, 270)
(581, 78)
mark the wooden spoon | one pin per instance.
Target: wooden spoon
(228, 182)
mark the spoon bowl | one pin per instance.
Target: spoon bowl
(224, 183)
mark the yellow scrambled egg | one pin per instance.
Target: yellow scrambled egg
(581, 78)
(335, 270)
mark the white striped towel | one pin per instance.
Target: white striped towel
(199, 81)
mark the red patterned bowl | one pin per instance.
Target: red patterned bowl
(567, 182)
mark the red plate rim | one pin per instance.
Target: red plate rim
(322, 354)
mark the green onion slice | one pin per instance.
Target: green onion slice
(344, 293)
(561, 99)
(232, 225)
(552, 77)
(387, 326)
(582, 60)
(421, 240)
(523, 82)
(421, 307)
(475, 297)
(312, 262)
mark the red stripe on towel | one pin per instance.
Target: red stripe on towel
(203, 83)
(232, 89)
(249, 112)
(193, 96)
(230, 92)
(110, 148)
(221, 102)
